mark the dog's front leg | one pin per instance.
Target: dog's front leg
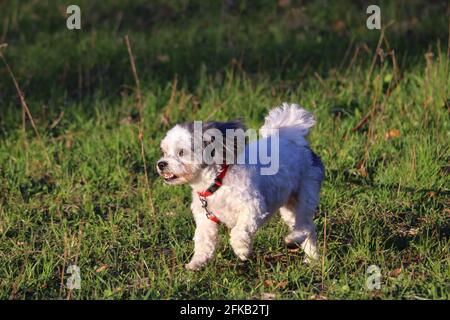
(205, 239)
(241, 235)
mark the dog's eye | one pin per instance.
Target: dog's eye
(181, 152)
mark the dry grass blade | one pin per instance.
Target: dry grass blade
(165, 118)
(136, 78)
(140, 108)
(375, 55)
(24, 105)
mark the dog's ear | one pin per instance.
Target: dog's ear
(233, 138)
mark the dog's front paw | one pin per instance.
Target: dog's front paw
(295, 239)
(243, 257)
(241, 246)
(193, 265)
(312, 259)
(243, 253)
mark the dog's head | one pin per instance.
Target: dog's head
(190, 147)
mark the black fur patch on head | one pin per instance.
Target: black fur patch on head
(223, 126)
(230, 147)
(189, 126)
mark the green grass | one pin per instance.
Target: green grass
(78, 195)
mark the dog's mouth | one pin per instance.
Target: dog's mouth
(168, 177)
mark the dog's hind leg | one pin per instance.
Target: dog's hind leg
(303, 232)
(287, 212)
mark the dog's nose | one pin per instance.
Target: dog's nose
(162, 165)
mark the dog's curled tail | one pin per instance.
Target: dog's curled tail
(289, 119)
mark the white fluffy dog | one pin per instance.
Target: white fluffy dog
(238, 195)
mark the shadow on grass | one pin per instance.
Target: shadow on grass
(286, 42)
(401, 226)
(369, 183)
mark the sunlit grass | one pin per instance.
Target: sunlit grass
(385, 200)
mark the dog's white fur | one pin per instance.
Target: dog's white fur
(247, 198)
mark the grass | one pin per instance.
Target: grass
(77, 193)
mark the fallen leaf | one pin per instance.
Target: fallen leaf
(318, 297)
(102, 268)
(282, 284)
(393, 133)
(362, 169)
(395, 273)
(268, 283)
(412, 231)
(339, 26)
(272, 283)
(431, 194)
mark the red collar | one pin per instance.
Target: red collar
(217, 182)
(211, 189)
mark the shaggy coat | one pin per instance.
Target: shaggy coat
(247, 198)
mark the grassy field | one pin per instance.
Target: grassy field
(75, 188)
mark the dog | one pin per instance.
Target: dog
(237, 194)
